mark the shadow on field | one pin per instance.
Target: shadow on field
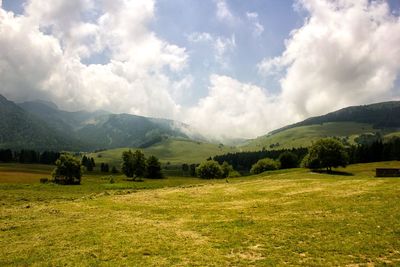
(334, 172)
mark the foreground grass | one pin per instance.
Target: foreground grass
(288, 217)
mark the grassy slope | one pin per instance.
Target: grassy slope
(287, 217)
(174, 151)
(303, 136)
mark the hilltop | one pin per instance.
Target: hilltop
(349, 123)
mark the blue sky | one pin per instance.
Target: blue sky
(188, 60)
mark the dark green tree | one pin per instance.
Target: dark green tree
(153, 168)
(84, 160)
(185, 168)
(68, 170)
(326, 153)
(139, 164)
(226, 169)
(263, 165)
(133, 164)
(127, 163)
(209, 169)
(192, 170)
(288, 160)
(104, 167)
(114, 170)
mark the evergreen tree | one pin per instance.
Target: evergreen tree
(153, 168)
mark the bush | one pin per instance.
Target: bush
(226, 169)
(263, 165)
(209, 170)
(288, 160)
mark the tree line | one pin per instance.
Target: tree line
(375, 151)
(136, 165)
(29, 156)
(243, 161)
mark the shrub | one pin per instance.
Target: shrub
(209, 170)
(226, 169)
(263, 165)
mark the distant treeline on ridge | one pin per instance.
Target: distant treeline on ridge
(375, 151)
(28, 156)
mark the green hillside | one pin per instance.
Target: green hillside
(347, 123)
(303, 136)
(20, 129)
(175, 151)
(41, 125)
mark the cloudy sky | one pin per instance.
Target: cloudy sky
(230, 68)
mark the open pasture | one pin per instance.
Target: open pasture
(289, 217)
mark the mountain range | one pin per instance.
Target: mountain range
(41, 125)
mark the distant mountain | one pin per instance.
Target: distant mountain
(21, 130)
(83, 130)
(125, 130)
(351, 124)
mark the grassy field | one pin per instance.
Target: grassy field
(174, 151)
(303, 136)
(285, 217)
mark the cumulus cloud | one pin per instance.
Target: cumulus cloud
(234, 109)
(346, 53)
(41, 56)
(258, 29)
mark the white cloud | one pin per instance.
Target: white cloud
(258, 29)
(223, 11)
(222, 46)
(198, 37)
(234, 109)
(346, 53)
(41, 56)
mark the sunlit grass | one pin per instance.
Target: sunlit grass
(286, 217)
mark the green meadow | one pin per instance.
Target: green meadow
(291, 217)
(174, 151)
(304, 136)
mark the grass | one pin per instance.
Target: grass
(290, 217)
(174, 151)
(304, 136)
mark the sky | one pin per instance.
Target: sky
(228, 68)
